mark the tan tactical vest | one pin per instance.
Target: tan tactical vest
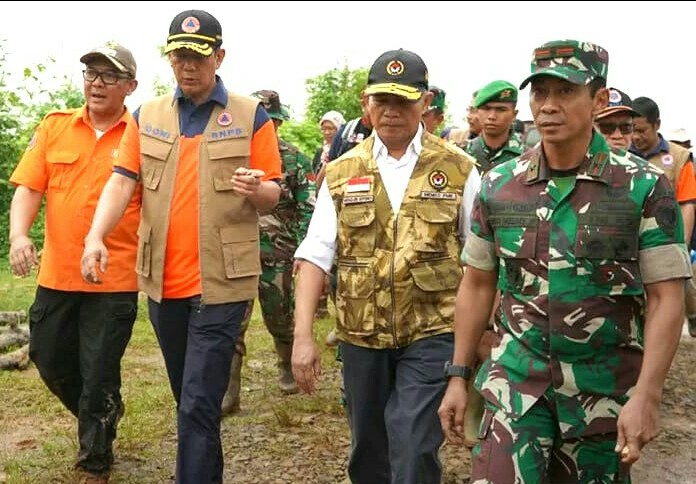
(671, 163)
(397, 273)
(228, 225)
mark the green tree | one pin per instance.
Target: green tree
(335, 90)
(20, 113)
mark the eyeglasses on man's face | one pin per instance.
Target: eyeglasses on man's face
(608, 128)
(107, 77)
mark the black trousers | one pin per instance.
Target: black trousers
(197, 343)
(392, 397)
(77, 340)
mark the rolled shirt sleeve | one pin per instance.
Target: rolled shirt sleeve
(662, 253)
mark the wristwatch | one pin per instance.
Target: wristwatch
(464, 372)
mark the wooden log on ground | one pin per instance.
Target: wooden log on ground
(16, 360)
(14, 337)
(12, 318)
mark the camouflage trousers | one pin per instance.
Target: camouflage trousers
(530, 450)
(277, 298)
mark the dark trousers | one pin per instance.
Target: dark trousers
(77, 341)
(392, 397)
(197, 343)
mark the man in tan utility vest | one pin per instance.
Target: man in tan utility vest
(395, 211)
(677, 163)
(208, 161)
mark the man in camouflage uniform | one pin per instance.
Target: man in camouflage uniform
(394, 211)
(586, 247)
(495, 106)
(281, 232)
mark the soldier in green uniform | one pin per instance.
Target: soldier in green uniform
(435, 114)
(586, 246)
(495, 106)
(282, 230)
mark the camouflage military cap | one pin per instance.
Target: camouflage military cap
(572, 60)
(496, 91)
(438, 101)
(270, 100)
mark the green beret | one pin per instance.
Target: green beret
(496, 91)
(438, 101)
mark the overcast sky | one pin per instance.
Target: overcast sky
(465, 44)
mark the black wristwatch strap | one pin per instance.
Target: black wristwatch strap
(464, 372)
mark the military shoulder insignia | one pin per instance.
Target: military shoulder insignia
(224, 119)
(395, 68)
(438, 179)
(190, 25)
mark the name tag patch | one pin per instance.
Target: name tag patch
(358, 199)
(439, 195)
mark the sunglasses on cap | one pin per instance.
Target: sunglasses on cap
(608, 128)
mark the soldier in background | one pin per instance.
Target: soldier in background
(495, 106)
(281, 231)
(435, 114)
(677, 163)
(574, 235)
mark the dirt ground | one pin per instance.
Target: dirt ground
(301, 439)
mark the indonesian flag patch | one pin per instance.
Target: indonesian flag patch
(361, 184)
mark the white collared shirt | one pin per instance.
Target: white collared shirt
(319, 245)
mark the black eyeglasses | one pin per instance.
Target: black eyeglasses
(108, 77)
(608, 128)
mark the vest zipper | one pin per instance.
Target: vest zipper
(396, 341)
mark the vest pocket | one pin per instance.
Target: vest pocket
(355, 301)
(434, 290)
(154, 154)
(240, 251)
(59, 162)
(357, 230)
(143, 261)
(226, 156)
(433, 224)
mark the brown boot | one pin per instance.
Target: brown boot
(286, 381)
(230, 403)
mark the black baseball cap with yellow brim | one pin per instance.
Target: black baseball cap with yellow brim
(195, 30)
(399, 72)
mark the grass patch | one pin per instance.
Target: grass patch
(38, 437)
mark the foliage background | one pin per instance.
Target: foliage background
(21, 111)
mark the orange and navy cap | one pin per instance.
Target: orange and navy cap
(195, 30)
(400, 72)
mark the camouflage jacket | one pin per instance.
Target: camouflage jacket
(398, 273)
(285, 226)
(486, 160)
(572, 258)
